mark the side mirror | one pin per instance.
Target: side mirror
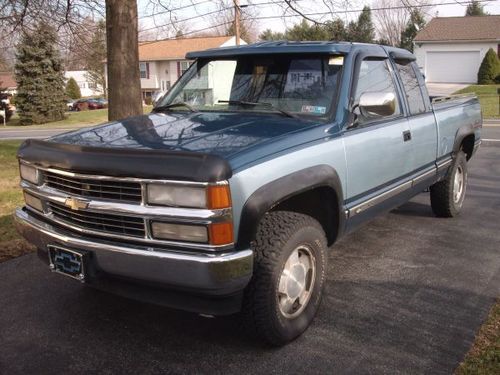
(372, 104)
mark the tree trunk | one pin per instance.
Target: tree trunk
(124, 83)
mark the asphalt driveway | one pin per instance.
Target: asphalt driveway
(405, 294)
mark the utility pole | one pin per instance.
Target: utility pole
(237, 13)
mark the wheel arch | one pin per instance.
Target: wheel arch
(464, 140)
(315, 191)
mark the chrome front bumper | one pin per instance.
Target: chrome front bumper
(215, 274)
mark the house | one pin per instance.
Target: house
(451, 49)
(87, 88)
(163, 62)
(8, 83)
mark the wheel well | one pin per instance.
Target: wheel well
(321, 203)
(467, 145)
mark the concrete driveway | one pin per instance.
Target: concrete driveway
(444, 89)
(405, 294)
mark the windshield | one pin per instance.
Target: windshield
(294, 85)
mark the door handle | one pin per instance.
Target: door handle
(407, 136)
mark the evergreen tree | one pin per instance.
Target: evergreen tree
(489, 69)
(415, 23)
(362, 30)
(306, 31)
(268, 35)
(72, 89)
(336, 29)
(475, 9)
(95, 57)
(40, 77)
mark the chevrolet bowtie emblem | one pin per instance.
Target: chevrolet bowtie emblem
(76, 204)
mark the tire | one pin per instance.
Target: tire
(447, 196)
(298, 242)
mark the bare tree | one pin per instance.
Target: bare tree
(390, 23)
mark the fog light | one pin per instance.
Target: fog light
(29, 173)
(178, 232)
(33, 202)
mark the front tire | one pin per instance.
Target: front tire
(285, 292)
(447, 196)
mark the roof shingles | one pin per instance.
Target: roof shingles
(460, 28)
(176, 49)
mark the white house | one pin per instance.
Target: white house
(87, 88)
(451, 49)
(8, 83)
(163, 62)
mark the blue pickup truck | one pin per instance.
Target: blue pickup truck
(226, 197)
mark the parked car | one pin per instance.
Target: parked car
(227, 197)
(81, 105)
(69, 104)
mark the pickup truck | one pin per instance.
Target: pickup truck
(227, 196)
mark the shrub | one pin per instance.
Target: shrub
(72, 89)
(489, 69)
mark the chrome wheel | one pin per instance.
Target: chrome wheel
(296, 282)
(458, 184)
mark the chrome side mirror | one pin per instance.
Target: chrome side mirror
(378, 103)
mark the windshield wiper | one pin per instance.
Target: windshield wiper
(174, 105)
(253, 104)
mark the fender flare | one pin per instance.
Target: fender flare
(462, 132)
(270, 195)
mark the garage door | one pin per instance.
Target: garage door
(452, 67)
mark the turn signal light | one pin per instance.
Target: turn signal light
(218, 196)
(221, 233)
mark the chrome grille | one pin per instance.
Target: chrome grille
(107, 189)
(107, 223)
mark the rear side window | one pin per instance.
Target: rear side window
(374, 75)
(412, 88)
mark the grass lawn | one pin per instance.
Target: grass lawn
(488, 98)
(11, 245)
(484, 356)
(72, 120)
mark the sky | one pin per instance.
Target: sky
(443, 8)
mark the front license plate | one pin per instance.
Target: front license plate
(67, 262)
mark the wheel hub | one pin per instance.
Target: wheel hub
(458, 184)
(296, 282)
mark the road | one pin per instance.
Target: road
(491, 129)
(405, 294)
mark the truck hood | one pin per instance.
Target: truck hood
(223, 134)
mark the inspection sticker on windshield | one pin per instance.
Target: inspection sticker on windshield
(313, 109)
(336, 60)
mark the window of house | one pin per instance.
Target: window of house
(184, 65)
(374, 75)
(412, 88)
(144, 70)
(92, 85)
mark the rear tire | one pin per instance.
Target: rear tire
(290, 258)
(447, 196)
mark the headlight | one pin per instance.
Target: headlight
(33, 202)
(178, 232)
(29, 173)
(182, 196)
(212, 197)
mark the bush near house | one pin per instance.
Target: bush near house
(72, 89)
(489, 69)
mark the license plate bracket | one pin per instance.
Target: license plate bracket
(68, 262)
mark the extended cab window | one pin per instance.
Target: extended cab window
(374, 76)
(412, 88)
(305, 85)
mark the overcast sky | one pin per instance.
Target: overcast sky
(447, 8)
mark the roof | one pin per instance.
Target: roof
(442, 29)
(275, 47)
(7, 80)
(176, 49)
